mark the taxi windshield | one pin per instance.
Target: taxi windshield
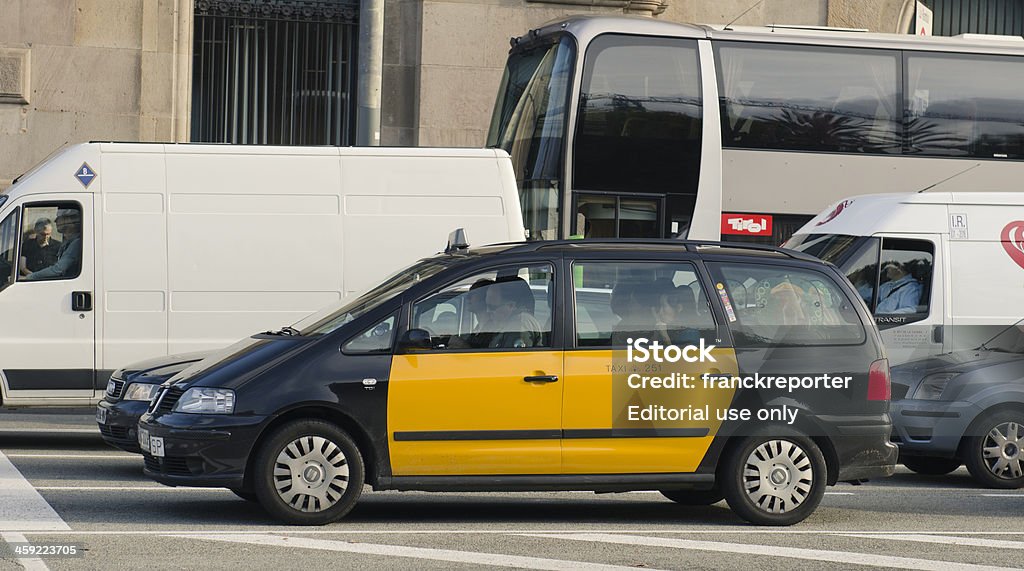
(353, 306)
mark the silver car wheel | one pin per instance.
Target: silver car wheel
(311, 474)
(1001, 451)
(778, 476)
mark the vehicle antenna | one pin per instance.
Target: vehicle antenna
(949, 178)
(756, 4)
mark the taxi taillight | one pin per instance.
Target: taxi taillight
(879, 386)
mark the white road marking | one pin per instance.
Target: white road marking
(21, 506)
(1003, 495)
(943, 539)
(447, 555)
(849, 557)
(738, 530)
(840, 494)
(78, 456)
(27, 563)
(4, 430)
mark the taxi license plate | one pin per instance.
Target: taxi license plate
(101, 415)
(156, 445)
(144, 439)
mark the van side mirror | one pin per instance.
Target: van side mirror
(416, 340)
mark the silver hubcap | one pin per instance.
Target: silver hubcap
(311, 474)
(778, 476)
(1002, 451)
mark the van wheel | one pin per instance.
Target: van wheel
(308, 472)
(776, 479)
(694, 497)
(930, 466)
(993, 454)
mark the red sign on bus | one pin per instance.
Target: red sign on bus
(747, 224)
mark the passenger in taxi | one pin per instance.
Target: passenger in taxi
(510, 307)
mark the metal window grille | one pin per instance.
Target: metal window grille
(952, 17)
(275, 72)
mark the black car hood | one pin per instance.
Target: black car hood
(233, 365)
(158, 369)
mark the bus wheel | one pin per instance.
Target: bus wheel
(993, 454)
(309, 472)
(930, 466)
(694, 497)
(774, 479)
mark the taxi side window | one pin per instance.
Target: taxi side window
(768, 305)
(504, 308)
(376, 339)
(905, 276)
(8, 249)
(662, 301)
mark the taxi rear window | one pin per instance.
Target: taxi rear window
(772, 305)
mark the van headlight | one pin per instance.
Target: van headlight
(203, 400)
(141, 391)
(932, 386)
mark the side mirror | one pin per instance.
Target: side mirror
(415, 339)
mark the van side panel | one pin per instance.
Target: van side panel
(248, 250)
(131, 300)
(987, 285)
(396, 204)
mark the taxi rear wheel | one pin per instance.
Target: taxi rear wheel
(774, 478)
(308, 472)
(694, 497)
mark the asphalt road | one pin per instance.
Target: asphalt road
(95, 499)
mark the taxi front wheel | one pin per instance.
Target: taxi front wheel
(776, 477)
(308, 472)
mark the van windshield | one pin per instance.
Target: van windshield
(856, 256)
(353, 306)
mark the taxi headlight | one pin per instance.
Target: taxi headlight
(203, 400)
(141, 391)
(932, 386)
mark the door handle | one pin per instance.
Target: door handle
(937, 333)
(541, 379)
(81, 301)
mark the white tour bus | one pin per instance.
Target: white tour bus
(940, 271)
(113, 253)
(634, 127)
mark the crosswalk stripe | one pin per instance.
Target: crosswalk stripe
(943, 539)
(847, 557)
(21, 506)
(447, 555)
(27, 563)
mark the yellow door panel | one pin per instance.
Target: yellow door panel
(597, 402)
(473, 413)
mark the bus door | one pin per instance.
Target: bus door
(47, 342)
(610, 215)
(909, 298)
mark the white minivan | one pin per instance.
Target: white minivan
(940, 271)
(111, 253)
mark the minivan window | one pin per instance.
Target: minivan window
(506, 308)
(332, 317)
(376, 339)
(8, 248)
(664, 301)
(770, 305)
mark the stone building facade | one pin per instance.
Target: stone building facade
(80, 70)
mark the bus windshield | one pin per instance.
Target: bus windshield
(529, 122)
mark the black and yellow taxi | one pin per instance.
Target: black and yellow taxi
(706, 371)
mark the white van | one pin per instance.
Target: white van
(941, 271)
(184, 247)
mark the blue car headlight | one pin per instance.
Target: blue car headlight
(932, 386)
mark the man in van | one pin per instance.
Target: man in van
(901, 293)
(41, 250)
(69, 257)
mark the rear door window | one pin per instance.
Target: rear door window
(663, 301)
(768, 305)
